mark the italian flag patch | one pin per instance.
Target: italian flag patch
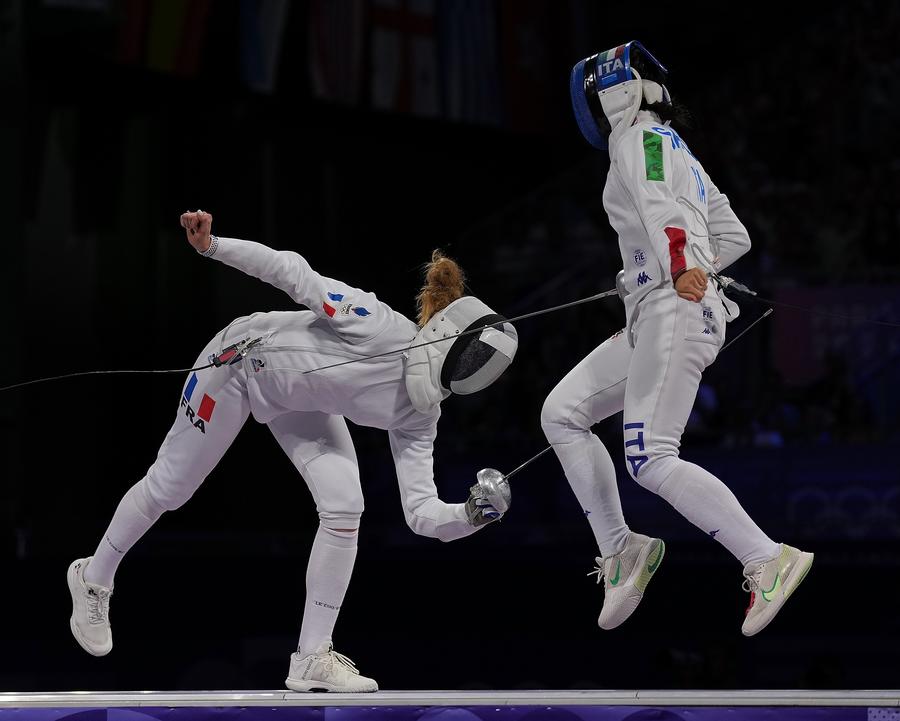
(653, 156)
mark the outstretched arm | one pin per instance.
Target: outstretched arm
(353, 313)
(286, 270)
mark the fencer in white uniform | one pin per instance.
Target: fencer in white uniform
(675, 229)
(266, 362)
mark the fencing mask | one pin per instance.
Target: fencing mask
(607, 90)
(462, 366)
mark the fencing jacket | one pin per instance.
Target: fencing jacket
(343, 323)
(667, 212)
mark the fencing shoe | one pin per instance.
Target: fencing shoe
(770, 584)
(626, 577)
(327, 670)
(90, 611)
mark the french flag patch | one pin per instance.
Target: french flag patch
(345, 309)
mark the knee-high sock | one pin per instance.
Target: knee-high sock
(709, 504)
(327, 577)
(137, 511)
(592, 475)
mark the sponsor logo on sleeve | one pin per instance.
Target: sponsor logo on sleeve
(343, 308)
(643, 278)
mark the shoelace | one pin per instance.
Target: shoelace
(98, 606)
(335, 657)
(598, 571)
(751, 586)
(751, 580)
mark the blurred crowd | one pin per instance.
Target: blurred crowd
(803, 149)
(804, 157)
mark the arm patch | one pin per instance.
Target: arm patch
(653, 156)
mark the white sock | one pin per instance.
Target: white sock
(592, 475)
(327, 577)
(136, 512)
(709, 504)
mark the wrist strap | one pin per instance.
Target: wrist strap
(213, 247)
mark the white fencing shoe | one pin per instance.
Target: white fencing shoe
(90, 611)
(327, 670)
(627, 575)
(771, 583)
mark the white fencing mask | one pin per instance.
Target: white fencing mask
(464, 365)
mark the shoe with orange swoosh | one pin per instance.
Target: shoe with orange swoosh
(771, 583)
(627, 575)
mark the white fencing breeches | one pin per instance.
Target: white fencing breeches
(213, 407)
(592, 390)
(655, 384)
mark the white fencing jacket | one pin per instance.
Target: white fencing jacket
(666, 210)
(344, 323)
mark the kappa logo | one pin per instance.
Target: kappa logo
(345, 309)
(204, 413)
(640, 259)
(643, 278)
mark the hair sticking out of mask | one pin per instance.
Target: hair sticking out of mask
(445, 282)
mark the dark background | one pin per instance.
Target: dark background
(362, 134)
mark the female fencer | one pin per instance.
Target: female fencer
(675, 230)
(263, 362)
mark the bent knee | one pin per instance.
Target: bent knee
(167, 494)
(145, 501)
(340, 523)
(558, 426)
(652, 468)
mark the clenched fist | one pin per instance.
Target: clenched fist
(198, 226)
(691, 285)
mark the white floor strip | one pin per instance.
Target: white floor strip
(451, 698)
